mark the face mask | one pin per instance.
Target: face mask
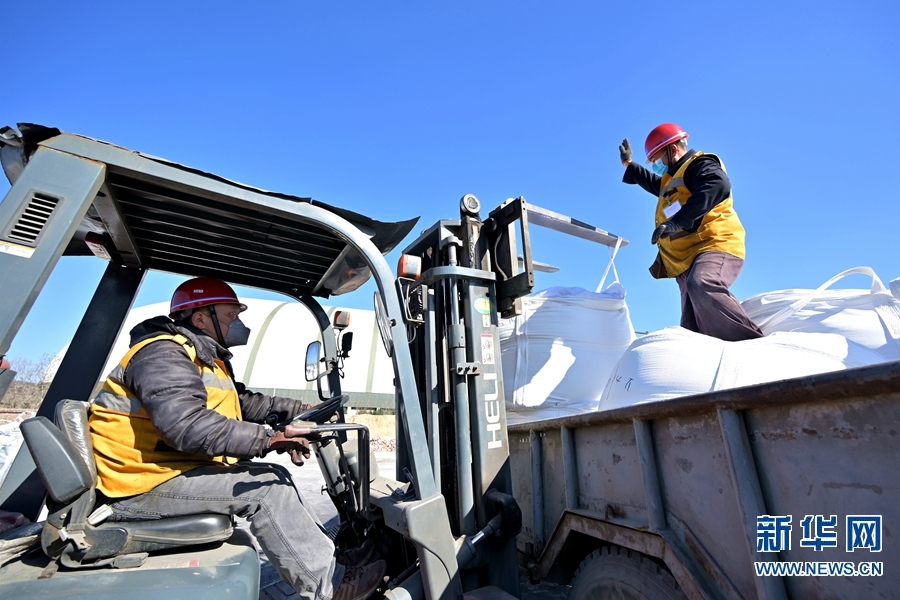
(658, 167)
(238, 334)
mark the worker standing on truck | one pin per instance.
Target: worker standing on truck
(698, 233)
(171, 430)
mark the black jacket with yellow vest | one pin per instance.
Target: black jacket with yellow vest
(171, 405)
(695, 195)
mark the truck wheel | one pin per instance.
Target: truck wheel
(614, 573)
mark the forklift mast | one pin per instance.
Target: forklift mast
(466, 279)
(455, 282)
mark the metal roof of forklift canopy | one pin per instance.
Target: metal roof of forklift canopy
(160, 215)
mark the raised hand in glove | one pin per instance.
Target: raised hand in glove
(625, 151)
(663, 231)
(291, 440)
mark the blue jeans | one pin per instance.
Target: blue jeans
(289, 533)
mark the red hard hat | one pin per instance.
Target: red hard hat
(662, 136)
(202, 291)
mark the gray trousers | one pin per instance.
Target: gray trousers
(289, 533)
(707, 306)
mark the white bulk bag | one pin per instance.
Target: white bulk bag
(868, 317)
(677, 362)
(558, 354)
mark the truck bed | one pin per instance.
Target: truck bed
(684, 480)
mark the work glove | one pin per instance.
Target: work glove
(625, 151)
(292, 440)
(663, 231)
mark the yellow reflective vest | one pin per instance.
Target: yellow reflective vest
(132, 458)
(720, 229)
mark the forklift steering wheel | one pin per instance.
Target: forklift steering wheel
(321, 413)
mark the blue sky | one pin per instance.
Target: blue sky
(397, 109)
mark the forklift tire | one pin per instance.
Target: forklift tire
(615, 573)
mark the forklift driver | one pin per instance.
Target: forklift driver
(172, 432)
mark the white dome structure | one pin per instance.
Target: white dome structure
(272, 362)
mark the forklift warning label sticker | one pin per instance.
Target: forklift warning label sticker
(16, 250)
(483, 305)
(487, 349)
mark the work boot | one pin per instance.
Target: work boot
(355, 557)
(359, 582)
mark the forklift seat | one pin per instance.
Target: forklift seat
(75, 531)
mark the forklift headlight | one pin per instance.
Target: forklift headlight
(409, 267)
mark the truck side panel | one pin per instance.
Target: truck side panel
(698, 494)
(823, 445)
(833, 459)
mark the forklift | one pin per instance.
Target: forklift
(445, 520)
